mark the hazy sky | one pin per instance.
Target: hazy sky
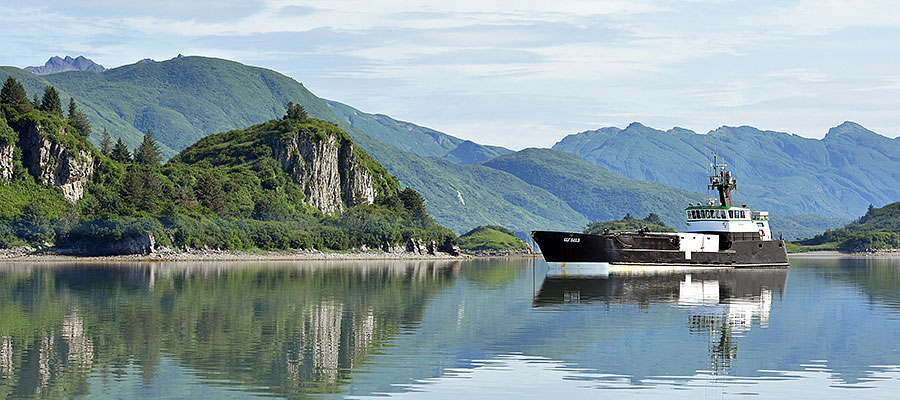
(518, 73)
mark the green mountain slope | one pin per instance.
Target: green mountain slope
(595, 192)
(403, 135)
(837, 176)
(181, 100)
(469, 152)
(878, 229)
(417, 139)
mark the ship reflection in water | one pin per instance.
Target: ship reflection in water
(722, 303)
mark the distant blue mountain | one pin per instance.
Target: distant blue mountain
(56, 64)
(838, 176)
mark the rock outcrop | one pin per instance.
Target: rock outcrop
(55, 165)
(331, 175)
(6, 162)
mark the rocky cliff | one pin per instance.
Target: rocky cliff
(326, 168)
(53, 164)
(6, 162)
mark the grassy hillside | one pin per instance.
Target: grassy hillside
(837, 176)
(490, 238)
(595, 192)
(878, 229)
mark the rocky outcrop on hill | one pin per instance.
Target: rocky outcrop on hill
(331, 176)
(53, 164)
(6, 162)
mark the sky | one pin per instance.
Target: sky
(518, 73)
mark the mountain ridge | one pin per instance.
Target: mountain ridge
(56, 64)
(835, 176)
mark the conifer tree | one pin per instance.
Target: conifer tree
(148, 151)
(105, 142)
(78, 119)
(36, 101)
(14, 94)
(210, 194)
(295, 111)
(51, 101)
(120, 152)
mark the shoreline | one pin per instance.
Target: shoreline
(28, 255)
(835, 254)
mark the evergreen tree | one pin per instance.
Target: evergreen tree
(120, 152)
(51, 101)
(78, 119)
(14, 94)
(36, 101)
(141, 187)
(73, 108)
(105, 142)
(414, 202)
(210, 194)
(295, 111)
(148, 151)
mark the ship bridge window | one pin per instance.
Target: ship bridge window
(742, 213)
(730, 213)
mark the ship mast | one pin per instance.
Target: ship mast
(722, 181)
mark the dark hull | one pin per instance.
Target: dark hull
(655, 249)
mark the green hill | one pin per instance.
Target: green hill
(595, 192)
(290, 183)
(836, 176)
(629, 224)
(490, 238)
(878, 229)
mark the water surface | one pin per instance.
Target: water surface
(826, 328)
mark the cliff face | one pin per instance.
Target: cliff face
(327, 169)
(55, 165)
(6, 162)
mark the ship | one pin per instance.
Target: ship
(719, 234)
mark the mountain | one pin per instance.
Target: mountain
(184, 99)
(180, 100)
(56, 64)
(877, 229)
(837, 176)
(596, 193)
(469, 152)
(417, 139)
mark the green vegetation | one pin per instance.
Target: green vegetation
(878, 229)
(629, 224)
(490, 238)
(595, 192)
(226, 191)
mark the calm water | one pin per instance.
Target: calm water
(826, 328)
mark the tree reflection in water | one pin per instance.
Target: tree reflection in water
(288, 328)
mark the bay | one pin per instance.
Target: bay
(483, 328)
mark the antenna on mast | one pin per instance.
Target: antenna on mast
(722, 181)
